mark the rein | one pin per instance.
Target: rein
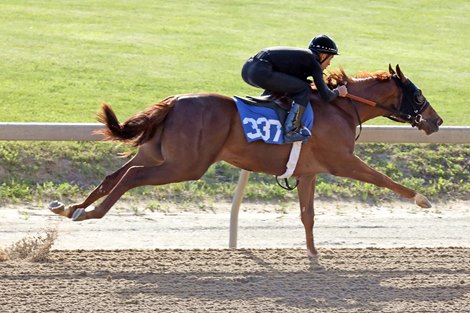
(357, 112)
(412, 107)
(413, 120)
(374, 104)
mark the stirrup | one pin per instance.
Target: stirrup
(305, 131)
(301, 134)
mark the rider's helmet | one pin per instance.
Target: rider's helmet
(323, 44)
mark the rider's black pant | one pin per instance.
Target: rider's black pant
(259, 73)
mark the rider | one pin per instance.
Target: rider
(286, 69)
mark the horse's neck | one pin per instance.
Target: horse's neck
(379, 92)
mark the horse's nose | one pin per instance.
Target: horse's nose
(439, 121)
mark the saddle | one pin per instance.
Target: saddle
(280, 103)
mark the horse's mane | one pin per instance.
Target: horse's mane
(338, 77)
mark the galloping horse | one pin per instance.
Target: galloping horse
(180, 137)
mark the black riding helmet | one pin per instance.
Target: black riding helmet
(323, 44)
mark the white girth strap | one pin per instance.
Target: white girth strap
(293, 158)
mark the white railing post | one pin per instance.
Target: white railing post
(236, 202)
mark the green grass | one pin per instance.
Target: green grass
(36, 173)
(61, 58)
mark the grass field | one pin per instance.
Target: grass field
(37, 172)
(61, 58)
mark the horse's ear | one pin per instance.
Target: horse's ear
(400, 74)
(390, 69)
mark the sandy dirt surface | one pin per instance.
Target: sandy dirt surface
(244, 280)
(393, 258)
(337, 225)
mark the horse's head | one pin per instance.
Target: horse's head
(413, 107)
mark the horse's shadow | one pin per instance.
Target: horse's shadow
(317, 287)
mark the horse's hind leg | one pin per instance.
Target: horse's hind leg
(102, 190)
(108, 184)
(142, 175)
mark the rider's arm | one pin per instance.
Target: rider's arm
(326, 93)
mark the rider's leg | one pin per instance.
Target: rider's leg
(293, 129)
(260, 73)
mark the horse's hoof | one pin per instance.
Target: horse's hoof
(57, 207)
(422, 201)
(312, 255)
(78, 215)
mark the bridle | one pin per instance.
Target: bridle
(412, 104)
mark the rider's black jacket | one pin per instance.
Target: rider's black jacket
(300, 63)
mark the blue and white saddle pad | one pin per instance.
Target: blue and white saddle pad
(261, 123)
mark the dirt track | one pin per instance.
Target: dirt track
(264, 280)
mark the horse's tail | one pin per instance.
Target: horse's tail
(137, 129)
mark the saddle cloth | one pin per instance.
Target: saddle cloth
(263, 123)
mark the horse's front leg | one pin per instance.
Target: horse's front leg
(305, 191)
(355, 168)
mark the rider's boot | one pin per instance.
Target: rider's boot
(293, 129)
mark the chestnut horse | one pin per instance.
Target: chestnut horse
(180, 137)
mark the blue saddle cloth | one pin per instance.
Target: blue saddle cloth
(262, 123)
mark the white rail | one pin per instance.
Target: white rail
(87, 132)
(407, 134)
(50, 131)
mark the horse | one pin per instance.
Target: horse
(178, 139)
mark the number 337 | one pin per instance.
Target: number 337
(262, 128)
